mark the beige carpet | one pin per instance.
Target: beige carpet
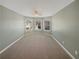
(35, 45)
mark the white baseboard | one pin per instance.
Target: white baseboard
(64, 48)
(11, 44)
(51, 36)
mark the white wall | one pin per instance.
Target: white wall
(66, 27)
(11, 26)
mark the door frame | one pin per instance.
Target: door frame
(49, 25)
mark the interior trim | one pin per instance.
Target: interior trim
(63, 47)
(3, 50)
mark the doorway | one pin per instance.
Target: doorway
(47, 25)
(38, 24)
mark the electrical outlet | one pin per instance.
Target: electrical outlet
(76, 52)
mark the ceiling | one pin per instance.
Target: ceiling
(0, 2)
(45, 7)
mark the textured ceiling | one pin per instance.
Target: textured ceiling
(45, 7)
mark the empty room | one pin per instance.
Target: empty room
(39, 29)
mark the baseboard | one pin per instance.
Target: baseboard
(11, 44)
(63, 48)
(51, 36)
